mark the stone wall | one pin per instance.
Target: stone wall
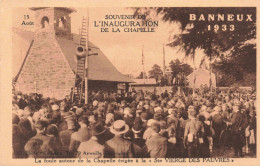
(46, 69)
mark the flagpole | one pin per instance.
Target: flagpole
(35, 86)
(143, 65)
(163, 61)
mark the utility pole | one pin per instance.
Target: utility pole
(82, 53)
(86, 61)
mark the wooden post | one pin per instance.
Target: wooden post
(86, 61)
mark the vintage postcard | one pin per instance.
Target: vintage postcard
(129, 83)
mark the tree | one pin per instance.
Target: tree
(215, 43)
(195, 34)
(141, 76)
(178, 67)
(238, 69)
(155, 72)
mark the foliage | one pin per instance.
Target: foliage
(240, 68)
(195, 34)
(141, 76)
(155, 71)
(234, 55)
(178, 67)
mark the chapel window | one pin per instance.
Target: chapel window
(45, 22)
(62, 22)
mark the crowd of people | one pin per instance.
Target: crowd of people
(134, 124)
(170, 80)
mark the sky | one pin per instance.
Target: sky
(124, 50)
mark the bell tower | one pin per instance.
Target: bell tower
(45, 69)
(56, 21)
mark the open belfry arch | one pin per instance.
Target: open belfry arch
(50, 67)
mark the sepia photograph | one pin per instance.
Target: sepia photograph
(134, 82)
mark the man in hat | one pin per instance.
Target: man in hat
(239, 124)
(157, 116)
(63, 124)
(52, 130)
(65, 136)
(46, 143)
(217, 124)
(144, 118)
(82, 135)
(55, 107)
(93, 148)
(26, 123)
(79, 112)
(18, 141)
(193, 132)
(156, 145)
(148, 132)
(171, 135)
(15, 118)
(252, 129)
(158, 110)
(128, 116)
(173, 116)
(226, 113)
(109, 119)
(180, 133)
(138, 133)
(21, 101)
(118, 147)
